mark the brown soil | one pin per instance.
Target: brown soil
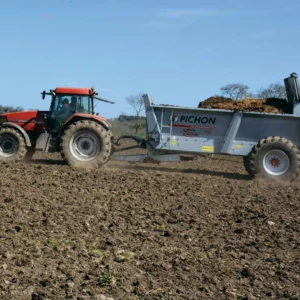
(191, 230)
(272, 105)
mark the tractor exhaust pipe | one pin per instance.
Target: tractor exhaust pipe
(104, 100)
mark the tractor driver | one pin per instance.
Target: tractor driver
(65, 110)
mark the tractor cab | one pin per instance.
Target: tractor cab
(69, 101)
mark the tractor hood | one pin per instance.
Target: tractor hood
(29, 120)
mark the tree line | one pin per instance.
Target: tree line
(6, 109)
(238, 91)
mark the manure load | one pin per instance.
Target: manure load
(268, 105)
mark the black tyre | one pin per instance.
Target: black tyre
(86, 144)
(249, 164)
(12, 145)
(274, 158)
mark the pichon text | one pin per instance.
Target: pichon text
(199, 120)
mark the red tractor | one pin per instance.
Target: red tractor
(70, 127)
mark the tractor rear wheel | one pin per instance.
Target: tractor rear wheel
(274, 158)
(86, 144)
(12, 145)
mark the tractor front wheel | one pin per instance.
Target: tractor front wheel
(12, 145)
(86, 144)
(274, 158)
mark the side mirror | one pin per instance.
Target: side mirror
(43, 94)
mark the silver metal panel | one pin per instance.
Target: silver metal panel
(297, 109)
(240, 147)
(41, 142)
(196, 130)
(231, 132)
(153, 129)
(256, 127)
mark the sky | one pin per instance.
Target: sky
(180, 52)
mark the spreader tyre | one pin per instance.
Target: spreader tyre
(12, 145)
(86, 144)
(249, 164)
(274, 158)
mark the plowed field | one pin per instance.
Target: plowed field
(191, 230)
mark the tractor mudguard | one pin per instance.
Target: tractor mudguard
(106, 124)
(77, 117)
(20, 129)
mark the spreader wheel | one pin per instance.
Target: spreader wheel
(249, 164)
(274, 158)
(86, 144)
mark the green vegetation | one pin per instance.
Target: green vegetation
(107, 280)
(126, 125)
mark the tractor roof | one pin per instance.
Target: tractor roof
(76, 91)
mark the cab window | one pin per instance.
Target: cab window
(61, 107)
(83, 104)
(66, 105)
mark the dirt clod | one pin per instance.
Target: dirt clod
(271, 223)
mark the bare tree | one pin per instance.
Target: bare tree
(274, 90)
(137, 105)
(235, 91)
